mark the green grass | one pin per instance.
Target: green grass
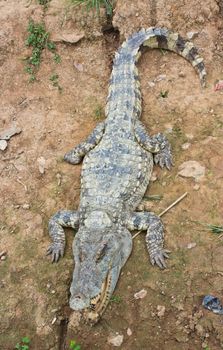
(74, 345)
(164, 94)
(115, 299)
(95, 5)
(38, 40)
(24, 344)
(54, 79)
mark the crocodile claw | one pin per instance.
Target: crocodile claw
(57, 251)
(158, 258)
(164, 158)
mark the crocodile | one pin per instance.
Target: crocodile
(118, 159)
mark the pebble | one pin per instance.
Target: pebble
(154, 176)
(196, 187)
(26, 206)
(160, 77)
(151, 84)
(141, 294)
(193, 169)
(54, 320)
(192, 35)
(41, 164)
(181, 74)
(186, 145)
(68, 37)
(129, 331)
(161, 310)
(3, 145)
(191, 245)
(116, 340)
(79, 66)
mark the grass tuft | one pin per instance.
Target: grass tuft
(95, 5)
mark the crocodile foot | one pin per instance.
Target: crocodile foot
(164, 157)
(158, 257)
(57, 251)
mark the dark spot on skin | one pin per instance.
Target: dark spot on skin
(192, 54)
(180, 44)
(200, 66)
(162, 42)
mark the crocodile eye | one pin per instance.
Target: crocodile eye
(101, 253)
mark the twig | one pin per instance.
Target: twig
(165, 211)
(20, 182)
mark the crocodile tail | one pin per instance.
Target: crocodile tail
(163, 38)
(124, 90)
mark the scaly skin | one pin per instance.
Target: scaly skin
(117, 166)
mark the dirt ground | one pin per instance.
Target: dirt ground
(33, 292)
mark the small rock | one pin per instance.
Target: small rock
(181, 74)
(154, 176)
(191, 245)
(68, 37)
(3, 257)
(3, 253)
(59, 177)
(161, 310)
(141, 294)
(48, 285)
(196, 187)
(192, 35)
(8, 133)
(54, 320)
(41, 163)
(219, 86)
(116, 340)
(186, 145)
(169, 128)
(151, 84)
(160, 77)
(129, 332)
(193, 169)
(190, 136)
(53, 291)
(204, 345)
(26, 206)
(3, 145)
(79, 66)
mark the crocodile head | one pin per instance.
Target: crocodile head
(100, 249)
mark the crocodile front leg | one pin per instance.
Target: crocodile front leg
(154, 236)
(77, 153)
(63, 218)
(158, 144)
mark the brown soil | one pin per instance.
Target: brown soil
(32, 290)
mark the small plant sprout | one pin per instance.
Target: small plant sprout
(54, 79)
(38, 40)
(164, 94)
(95, 5)
(24, 344)
(115, 299)
(74, 345)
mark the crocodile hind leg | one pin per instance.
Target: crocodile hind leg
(154, 236)
(77, 153)
(158, 144)
(63, 218)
